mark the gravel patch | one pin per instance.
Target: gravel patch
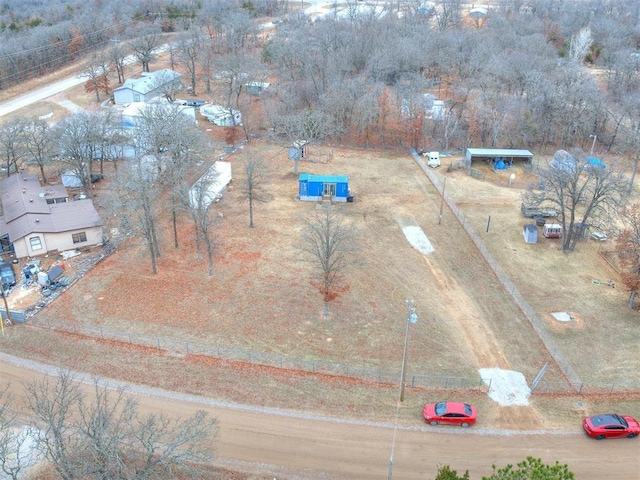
(506, 387)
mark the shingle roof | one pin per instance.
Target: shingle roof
(26, 209)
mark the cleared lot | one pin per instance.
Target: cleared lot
(263, 299)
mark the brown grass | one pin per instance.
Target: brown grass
(263, 298)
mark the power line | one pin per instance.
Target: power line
(60, 43)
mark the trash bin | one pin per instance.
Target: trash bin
(350, 198)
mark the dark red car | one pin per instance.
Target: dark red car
(450, 413)
(611, 425)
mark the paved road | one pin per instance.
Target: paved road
(39, 95)
(294, 445)
(57, 87)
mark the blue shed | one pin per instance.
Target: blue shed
(315, 188)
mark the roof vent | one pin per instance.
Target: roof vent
(24, 190)
(31, 200)
(37, 220)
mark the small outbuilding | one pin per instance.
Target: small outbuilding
(530, 233)
(70, 179)
(315, 188)
(255, 88)
(507, 155)
(552, 230)
(563, 161)
(298, 150)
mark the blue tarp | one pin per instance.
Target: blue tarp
(596, 162)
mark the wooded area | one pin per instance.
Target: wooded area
(531, 74)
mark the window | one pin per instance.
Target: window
(36, 243)
(79, 237)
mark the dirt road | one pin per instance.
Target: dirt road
(293, 445)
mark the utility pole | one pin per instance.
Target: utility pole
(412, 317)
(593, 144)
(6, 308)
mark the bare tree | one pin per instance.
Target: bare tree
(329, 242)
(628, 250)
(253, 190)
(580, 44)
(189, 51)
(117, 55)
(136, 202)
(52, 403)
(448, 14)
(104, 435)
(40, 144)
(168, 85)
(12, 140)
(96, 70)
(17, 452)
(104, 422)
(200, 197)
(143, 48)
(164, 445)
(83, 139)
(308, 127)
(583, 194)
(168, 132)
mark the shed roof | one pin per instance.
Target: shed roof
(307, 177)
(498, 152)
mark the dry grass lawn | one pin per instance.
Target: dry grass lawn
(264, 298)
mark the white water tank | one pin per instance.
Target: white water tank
(43, 279)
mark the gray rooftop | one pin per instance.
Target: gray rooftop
(26, 210)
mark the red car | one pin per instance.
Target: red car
(611, 425)
(450, 413)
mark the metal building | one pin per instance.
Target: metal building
(315, 188)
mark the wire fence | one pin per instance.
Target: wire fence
(576, 384)
(390, 377)
(316, 366)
